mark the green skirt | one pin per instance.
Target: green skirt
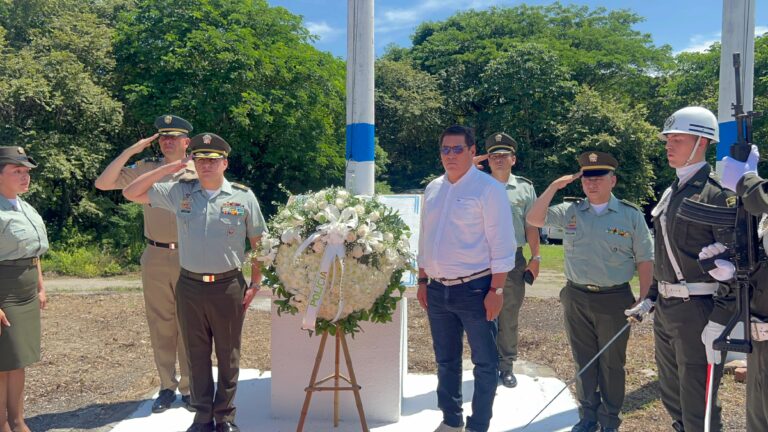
(19, 343)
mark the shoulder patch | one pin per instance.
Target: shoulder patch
(240, 186)
(631, 204)
(525, 180)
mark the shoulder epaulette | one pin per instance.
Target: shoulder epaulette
(525, 180)
(240, 186)
(187, 180)
(631, 204)
(714, 178)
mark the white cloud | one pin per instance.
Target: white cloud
(700, 43)
(406, 18)
(323, 31)
(760, 30)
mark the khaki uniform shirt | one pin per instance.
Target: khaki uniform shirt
(212, 230)
(22, 231)
(602, 249)
(521, 196)
(159, 224)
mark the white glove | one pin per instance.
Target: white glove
(642, 308)
(734, 170)
(725, 269)
(711, 332)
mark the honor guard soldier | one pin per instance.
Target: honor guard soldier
(214, 219)
(502, 156)
(743, 179)
(23, 239)
(684, 294)
(160, 260)
(605, 240)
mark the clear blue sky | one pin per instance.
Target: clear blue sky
(683, 24)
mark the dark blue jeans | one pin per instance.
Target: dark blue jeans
(452, 311)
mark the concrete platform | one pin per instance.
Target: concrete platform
(513, 408)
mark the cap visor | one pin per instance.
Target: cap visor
(27, 162)
(208, 156)
(595, 173)
(172, 133)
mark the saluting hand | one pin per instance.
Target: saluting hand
(493, 303)
(179, 165)
(142, 144)
(3, 321)
(565, 180)
(477, 159)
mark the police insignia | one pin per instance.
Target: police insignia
(730, 201)
(498, 137)
(670, 121)
(207, 139)
(186, 204)
(571, 227)
(168, 119)
(592, 157)
(20, 150)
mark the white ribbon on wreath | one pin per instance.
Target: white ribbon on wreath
(333, 233)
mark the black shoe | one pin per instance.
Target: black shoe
(202, 427)
(585, 426)
(163, 401)
(186, 402)
(508, 379)
(227, 427)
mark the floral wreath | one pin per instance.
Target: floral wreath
(337, 258)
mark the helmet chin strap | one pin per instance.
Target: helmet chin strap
(693, 151)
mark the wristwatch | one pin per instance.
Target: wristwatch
(536, 258)
(498, 291)
(424, 280)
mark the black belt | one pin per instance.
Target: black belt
(210, 277)
(597, 288)
(162, 245)
(21, 262)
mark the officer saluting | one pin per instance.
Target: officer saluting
(605, 240)
(214, 218)
(160, 260)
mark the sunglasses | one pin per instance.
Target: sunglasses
(457, 150)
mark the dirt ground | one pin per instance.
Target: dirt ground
(97, 361)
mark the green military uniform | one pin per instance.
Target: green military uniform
(602, 251)
(521, 195)
(160, 266)
(679, 321)
(754, 193)
(23, 238)
(212, 230)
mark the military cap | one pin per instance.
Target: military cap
(595, 163)
(16, 156)
(208, 146)
(500, 143)
(172, 125)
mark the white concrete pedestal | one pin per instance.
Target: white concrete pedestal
(379, 358)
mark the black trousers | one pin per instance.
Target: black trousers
(211, 314)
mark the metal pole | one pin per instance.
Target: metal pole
(360, 102)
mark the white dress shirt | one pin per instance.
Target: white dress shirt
(466, 227)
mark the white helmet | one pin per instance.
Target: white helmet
(692, 120)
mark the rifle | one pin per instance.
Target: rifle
(736, 225)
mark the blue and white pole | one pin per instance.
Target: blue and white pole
(360, 103)
(738, 36)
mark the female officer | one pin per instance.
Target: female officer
(22, 240)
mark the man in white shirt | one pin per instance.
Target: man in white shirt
(467, 246)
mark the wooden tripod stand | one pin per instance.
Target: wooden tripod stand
(314, 385)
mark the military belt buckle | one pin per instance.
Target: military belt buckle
(209, 278)
(171, 246)
(593, 288)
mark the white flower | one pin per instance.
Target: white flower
(322, 204)
(291, 235)
(339, 203)
(360, 210)
(388, 237)
(343, 194)
(320, 217)
(310, 205)
(363, 230)
(374, 216)
(357, 251)
(351, 237)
